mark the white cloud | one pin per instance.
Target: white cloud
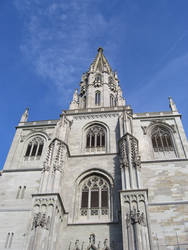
(59, 37)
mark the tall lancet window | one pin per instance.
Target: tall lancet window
(162, 142)
(95, 138)
(84, 102)
(112, 101)
(97, 98)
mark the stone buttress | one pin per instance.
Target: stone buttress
(134, 199)
(48, 210)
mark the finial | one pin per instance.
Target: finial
(25, 115)
(172, 104)
(100, 49)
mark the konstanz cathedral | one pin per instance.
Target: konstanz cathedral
(100, 177)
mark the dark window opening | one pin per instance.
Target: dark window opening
(28, 150)
(104, 198)
(40, 150)
(94, 199)
(34, 150)
(84, 203)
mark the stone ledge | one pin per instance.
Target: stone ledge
(51, 194)
(93, 223)
(168, 203)
(21, 170)
(15, 210)
(165, 160)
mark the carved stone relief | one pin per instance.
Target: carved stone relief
(92, 244)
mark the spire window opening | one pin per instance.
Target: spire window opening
(98, 78)
(95, 138)
(97, 98)
(112, 101)
(84, 102)
(162, 143)
(34, 148)
(95, 197)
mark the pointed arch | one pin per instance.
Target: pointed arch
(97, 98)
(163, 142)
(93, 196)
(34, 147)
(112, 100)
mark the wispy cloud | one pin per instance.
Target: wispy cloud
(59, 37)
(170, 80)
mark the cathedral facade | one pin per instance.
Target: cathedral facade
(100, 177)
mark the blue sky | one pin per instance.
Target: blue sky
(45, 46)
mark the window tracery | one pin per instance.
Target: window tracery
(95, 197)
(162, 142)
(96, 138)
(35, 147)
(111, 84)
(98, 80)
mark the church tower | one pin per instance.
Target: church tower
(100, 177)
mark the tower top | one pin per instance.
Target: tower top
(100, 63)
(99, 86)
(100, 49)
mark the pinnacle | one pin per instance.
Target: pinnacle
(100, 49)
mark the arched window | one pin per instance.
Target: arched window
(112, 101)
(96, 138)
(98, 78)
(95, 197)
(97, 98)
(162, 142)
(84, 102)
(35, 147)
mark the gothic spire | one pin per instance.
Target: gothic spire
(172, 104)
(100, 63)
(25, 115)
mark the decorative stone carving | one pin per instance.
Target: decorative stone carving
(77, 245)
(112, 85)
(135, 216)
(98, 81)
(83, 88)
(95, 116)
(25, 115)
(144, 128)
(57, 153)
(128, 146)
(172, 104)
(92, 239)
(75, 101)
(93, 245)
(162, 123)
(40, 220)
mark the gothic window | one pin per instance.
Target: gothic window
(84, 102)
(35, 147)
(98, 78)
(162, 142)
(95, 138)
(97, 98)
(112, 101)
(95, 197)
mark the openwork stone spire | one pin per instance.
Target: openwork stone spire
(99, 86)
